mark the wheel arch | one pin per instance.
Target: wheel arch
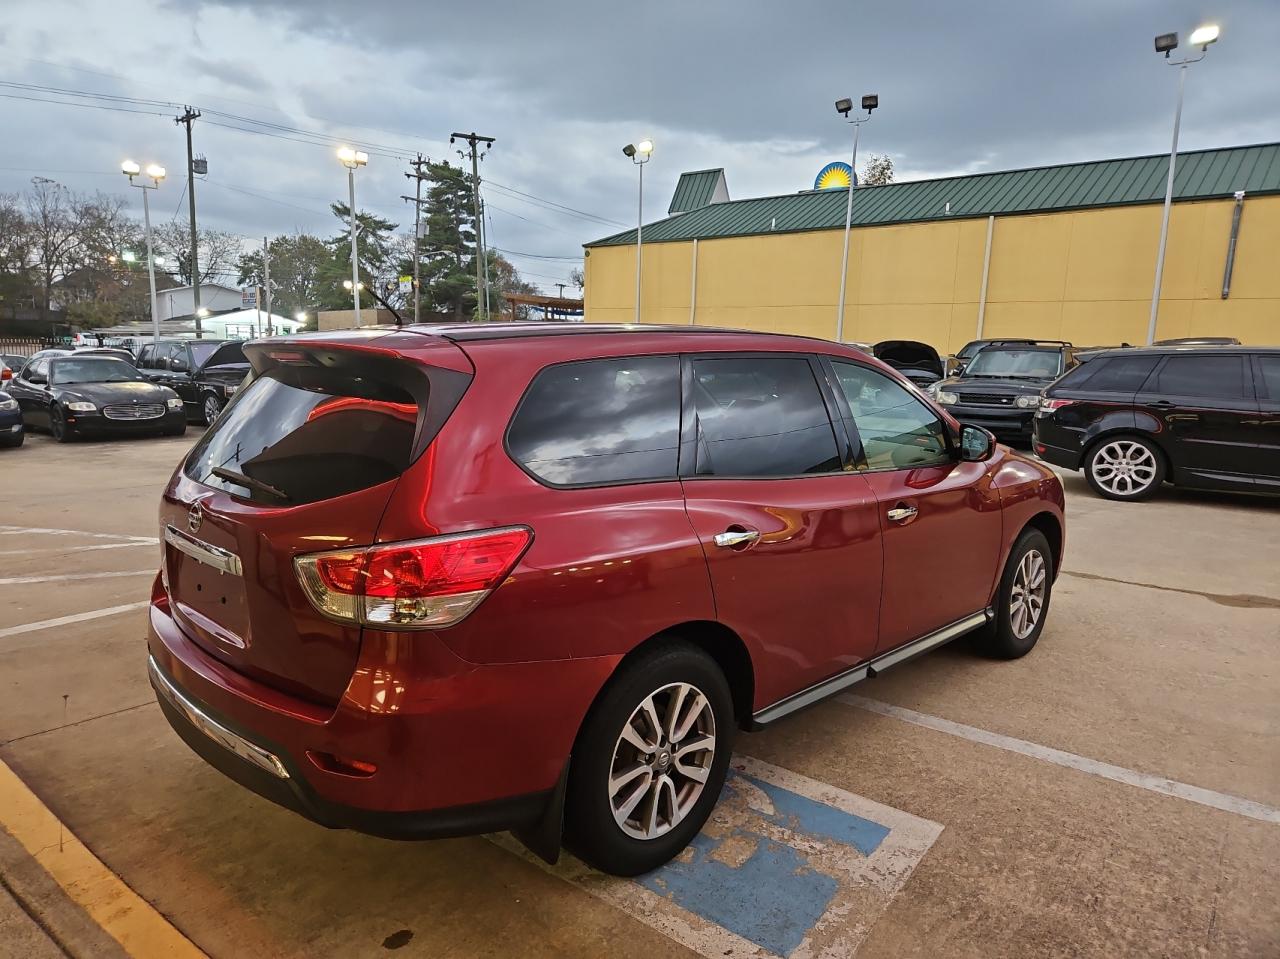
(719, 642)
(1049, 524)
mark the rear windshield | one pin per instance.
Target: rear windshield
(299, 434)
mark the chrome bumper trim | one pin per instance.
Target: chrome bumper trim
(214, 730)
(220, 559)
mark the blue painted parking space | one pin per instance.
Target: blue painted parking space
(787, 867)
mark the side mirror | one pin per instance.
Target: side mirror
(976, 444)
(959, 370)
(37, 378)
(179, 366)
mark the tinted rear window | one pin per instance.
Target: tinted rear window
(761, 416)
(1220, 377)
(600, 421)
(1116, 374)
(311, 433)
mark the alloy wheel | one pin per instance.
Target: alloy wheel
(1026, 600)
(211, 409)
(662, 760)
(1124, 467)
(57, 424)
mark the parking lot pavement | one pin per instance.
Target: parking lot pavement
(1114, 793)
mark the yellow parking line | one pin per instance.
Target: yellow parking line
(121, 912)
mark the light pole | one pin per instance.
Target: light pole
(351, 159)
(844, 107)
(1166, 43)
(639, 154)
(156, 173)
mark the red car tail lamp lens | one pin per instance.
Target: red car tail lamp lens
(1048, 405)
(422, 584)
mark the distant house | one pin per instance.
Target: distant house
(179, 302)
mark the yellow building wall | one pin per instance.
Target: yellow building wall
(1082, 276)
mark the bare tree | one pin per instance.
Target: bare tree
(53, 216)
(219, 252)
(16, 274)
(878, 170)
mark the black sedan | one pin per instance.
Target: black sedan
(11, 430)
(79, 395)
(1000, 388)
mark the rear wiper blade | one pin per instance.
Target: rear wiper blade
(249, 482)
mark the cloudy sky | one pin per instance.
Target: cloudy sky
(564, 84)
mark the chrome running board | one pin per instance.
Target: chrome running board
(850, 677)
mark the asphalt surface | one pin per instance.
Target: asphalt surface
(1161, 659)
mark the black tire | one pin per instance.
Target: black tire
(58, 427)
(591, 831)
(13, 441)
(210, 407)
(1127, 467)
(1005, 637)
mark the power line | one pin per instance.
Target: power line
(90, 106)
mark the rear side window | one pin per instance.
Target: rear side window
(1270, 367)
(598, 422)
(761, 416)
(1220, 377)
(1117, 374)
(299, 434)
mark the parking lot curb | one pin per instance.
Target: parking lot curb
(122, 914)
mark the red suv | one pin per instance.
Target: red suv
(434, 581)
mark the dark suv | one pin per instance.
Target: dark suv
(205, 373)
(432, 581)
(999, 389)
(1206, 417)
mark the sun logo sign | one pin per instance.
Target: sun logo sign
(835, 176)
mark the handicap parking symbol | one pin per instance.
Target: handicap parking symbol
(786, 868)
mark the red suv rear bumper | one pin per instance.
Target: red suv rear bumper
(458, 748)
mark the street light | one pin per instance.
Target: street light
(844, 106)
(1166, 43)
(351, 159)
(300, 317)
(156, 173)
(639, 153)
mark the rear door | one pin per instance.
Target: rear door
(304, 460)
(790, 533)
(1205, 408)
(1266, 378)
(940, 517)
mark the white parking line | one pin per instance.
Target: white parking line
(45, 531)
(69, 620)
(1130, 777)
(19, 580)
(76, 549)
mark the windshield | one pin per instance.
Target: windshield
(102, 369)
(1026, 363)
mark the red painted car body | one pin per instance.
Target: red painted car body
(434, 732)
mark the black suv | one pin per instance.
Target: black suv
(205, 373)
(1206, 417)
(999, 389)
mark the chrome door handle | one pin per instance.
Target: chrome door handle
(900, 513)
(737, 537)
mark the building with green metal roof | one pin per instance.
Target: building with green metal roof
(1064, 251)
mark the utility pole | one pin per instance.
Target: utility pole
(417, 176)
(473, 139)
(484, 252)
(266, 282)
(189, 117)
(562, 286)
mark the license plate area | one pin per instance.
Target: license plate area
(208, 590)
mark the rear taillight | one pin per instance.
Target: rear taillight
(415, 585)
(1049, 405)
(6, 374)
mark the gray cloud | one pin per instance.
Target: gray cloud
(563, 86)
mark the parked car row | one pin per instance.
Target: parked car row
(106, 390)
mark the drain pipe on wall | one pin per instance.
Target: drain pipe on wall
(986, 271)
(693, 285)
(1231, 244)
